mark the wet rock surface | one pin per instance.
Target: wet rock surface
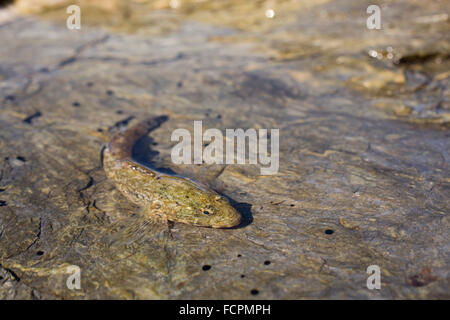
(364, 149)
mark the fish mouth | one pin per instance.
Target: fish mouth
(228, 224)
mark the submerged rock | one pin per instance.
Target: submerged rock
(364, 150)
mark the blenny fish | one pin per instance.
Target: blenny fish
(171, 197)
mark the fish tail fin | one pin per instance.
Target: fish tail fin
(121, 143)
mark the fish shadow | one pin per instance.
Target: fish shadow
(144, 154)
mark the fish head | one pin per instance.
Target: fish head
(198, 205)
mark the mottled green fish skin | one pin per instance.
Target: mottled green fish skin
(172, 197)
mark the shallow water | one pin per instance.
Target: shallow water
(364, 147)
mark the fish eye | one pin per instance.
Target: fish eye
(207, 212)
